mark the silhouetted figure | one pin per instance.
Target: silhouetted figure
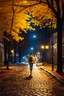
(31, 61)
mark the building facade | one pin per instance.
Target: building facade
(54, 46)
(1, 53)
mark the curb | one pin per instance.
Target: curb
(58, 79)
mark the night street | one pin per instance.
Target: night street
(16, 82)
(31, 33)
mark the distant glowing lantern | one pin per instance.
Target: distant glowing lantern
(12, 51)
(42, 46)
(32, 48)
(34, 36)
(46, 47)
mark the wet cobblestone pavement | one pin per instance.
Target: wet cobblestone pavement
(17, 82)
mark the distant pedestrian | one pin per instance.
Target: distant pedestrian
(31, 61)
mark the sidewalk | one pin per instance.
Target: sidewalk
(48, 69)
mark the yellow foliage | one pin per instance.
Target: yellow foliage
(20, 21)
(21, 18)
(40, 14)
(16, 37)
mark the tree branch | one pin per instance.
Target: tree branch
(51, 7)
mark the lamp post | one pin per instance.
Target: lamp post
(38, 56)
(32, 48)
(34, 36)
(44, 47)
(12, 51)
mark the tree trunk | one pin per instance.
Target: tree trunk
(5, 54)
(8, 59)
(59, 46)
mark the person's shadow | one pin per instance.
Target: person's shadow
(28, 78)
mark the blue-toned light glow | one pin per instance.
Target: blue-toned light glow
(34, 36)
(32, 48)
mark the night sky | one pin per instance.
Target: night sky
(42, 36)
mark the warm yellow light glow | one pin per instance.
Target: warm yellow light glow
(42, 46)
(12, 51)
(46, 47)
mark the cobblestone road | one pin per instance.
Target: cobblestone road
(16, 82)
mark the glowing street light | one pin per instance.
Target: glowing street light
(34, 36)
(12, 51)
(46, 47)
(32, 48)
(42, 46)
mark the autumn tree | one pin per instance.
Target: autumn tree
(56, 7)
(8, 31)
(40, 11)
(55, 11)
(11, 21)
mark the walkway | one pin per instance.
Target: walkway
(16, 82)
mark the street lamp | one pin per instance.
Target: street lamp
(38, 55)
(34, 36)
(46, 47)
(32, 48)
(12, 51)
(42, 46)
